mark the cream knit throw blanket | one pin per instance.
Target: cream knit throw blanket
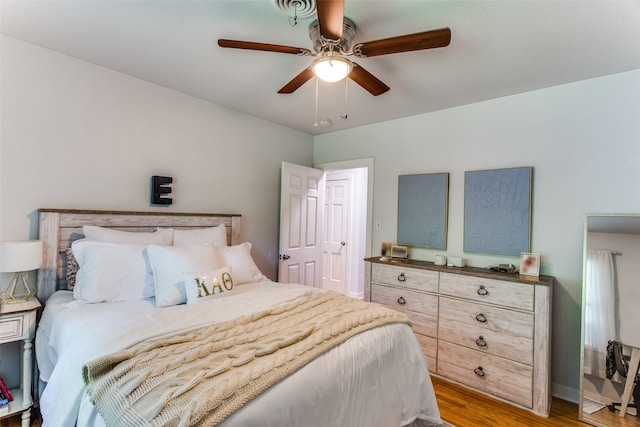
(203, 376)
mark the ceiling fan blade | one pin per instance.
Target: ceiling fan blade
(330, 14)
(368, 81)
(419, 41)
(237, 44)
(297, 81)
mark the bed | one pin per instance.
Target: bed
(375, 374)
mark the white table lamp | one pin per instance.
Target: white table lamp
(19, 257)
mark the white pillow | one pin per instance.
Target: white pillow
(163, 236)
(169, 263)
(242, 265)
(203, 286)
(216, 236)
(111, 271)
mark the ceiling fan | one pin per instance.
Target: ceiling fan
(331, 35)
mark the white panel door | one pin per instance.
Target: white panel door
(301, 199)
(335, 234)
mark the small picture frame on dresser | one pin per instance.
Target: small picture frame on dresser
(386, 249)
(529, 264)
(399, 251)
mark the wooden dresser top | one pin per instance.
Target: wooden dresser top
(467, 271)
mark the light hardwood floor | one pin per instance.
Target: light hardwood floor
(465, 408)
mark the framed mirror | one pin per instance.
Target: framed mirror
(610, 352)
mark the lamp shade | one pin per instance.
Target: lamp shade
(332, 68)
(19, 256)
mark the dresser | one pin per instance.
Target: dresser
(485, 330)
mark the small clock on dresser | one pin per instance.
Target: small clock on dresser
(18, 324)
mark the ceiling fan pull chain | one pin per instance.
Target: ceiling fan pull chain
(345, 116)
(315, 124)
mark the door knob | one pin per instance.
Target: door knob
(285, 257)
(343, 243)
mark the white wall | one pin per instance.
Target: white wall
(583, 140)
(76, 135)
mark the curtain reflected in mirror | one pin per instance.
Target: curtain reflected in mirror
(611, 320)
(599, 319)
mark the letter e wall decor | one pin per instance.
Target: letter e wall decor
(160, 189)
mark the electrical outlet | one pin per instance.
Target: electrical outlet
(378, 224)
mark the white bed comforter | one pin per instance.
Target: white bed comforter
(377, 378)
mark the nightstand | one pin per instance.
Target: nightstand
(18, 323)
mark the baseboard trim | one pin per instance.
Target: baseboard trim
(565, 393)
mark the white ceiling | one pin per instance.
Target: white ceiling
(497, 48)
(617, 224)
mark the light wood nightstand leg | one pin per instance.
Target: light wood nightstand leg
(27, 369)
(631, 376)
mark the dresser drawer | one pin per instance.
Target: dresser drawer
(430, 348)
(506, 379)
(487, 317)
(518, 349)
(421, 323)
(11, 328)
(398, 275)
(499, 292)
(421, 309)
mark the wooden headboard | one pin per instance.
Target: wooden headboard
(60, 227)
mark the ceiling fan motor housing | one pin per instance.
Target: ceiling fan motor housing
(321, 45)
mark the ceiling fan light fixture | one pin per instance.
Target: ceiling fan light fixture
(332, 68)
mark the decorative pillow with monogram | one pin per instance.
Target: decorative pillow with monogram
(202, 286)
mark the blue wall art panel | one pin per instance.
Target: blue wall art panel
(497, 211)
(422, 210)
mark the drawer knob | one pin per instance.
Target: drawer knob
(401, 301)
(401, 278)
(479, 372)
(482, 291)
(481, 318)
(480, 342)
